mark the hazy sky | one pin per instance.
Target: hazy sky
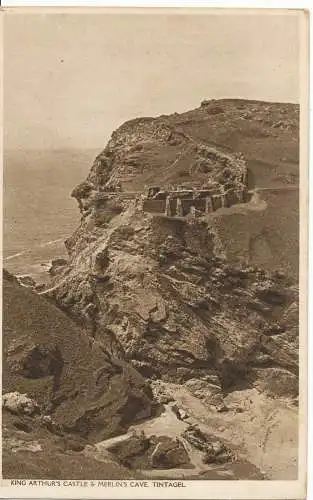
(71, 79)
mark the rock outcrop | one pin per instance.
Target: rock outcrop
(19, 404)
(154, 452)
(164, 293)
(165, 301)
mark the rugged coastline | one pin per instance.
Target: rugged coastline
(164, 323)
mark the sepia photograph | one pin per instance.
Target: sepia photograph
(154, 249)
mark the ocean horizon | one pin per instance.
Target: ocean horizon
(38, 211)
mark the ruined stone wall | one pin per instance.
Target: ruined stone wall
(173, 205)
(217, 202)
(230, 198)
(247, 196)
(199, 204)
(157, 206)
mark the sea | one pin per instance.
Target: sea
(38, 211)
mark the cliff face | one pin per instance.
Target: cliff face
(155, 292)
(209, 302)
(183, 298)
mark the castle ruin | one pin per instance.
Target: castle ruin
(181, 202)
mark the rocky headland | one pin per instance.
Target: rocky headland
(176, 336)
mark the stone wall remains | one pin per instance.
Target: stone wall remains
(199, 203)
(157, 206)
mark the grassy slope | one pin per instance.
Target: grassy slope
(86, 388)
(267, 134)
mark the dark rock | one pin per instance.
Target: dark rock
(155, 452)
(218, 453)
(57, 265)
(34, 361)
(83, 190)
(215, 450)
(73, 445)
(22, 426)
(127, 450)
(169, 454)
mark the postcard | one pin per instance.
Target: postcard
(154, 284)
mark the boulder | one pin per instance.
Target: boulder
(32, 360)
(168, 454)
(57, 265)
(218, 453)
(18, 403)
(128, 449)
